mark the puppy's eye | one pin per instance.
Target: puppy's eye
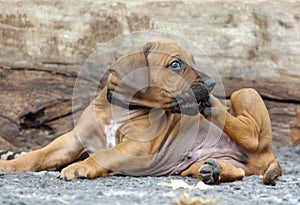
(176, 66)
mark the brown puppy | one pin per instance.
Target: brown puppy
(146, 121)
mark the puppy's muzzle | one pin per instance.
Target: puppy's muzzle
(209, 84)
(195, 103)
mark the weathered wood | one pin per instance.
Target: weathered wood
(28, 96)
(36, 102)
(295, 129)
(283, 117)
(43, 45)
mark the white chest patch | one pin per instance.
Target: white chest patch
(111, 131)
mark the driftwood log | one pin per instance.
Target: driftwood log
(43, 45)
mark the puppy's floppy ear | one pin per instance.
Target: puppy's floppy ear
(133, 68)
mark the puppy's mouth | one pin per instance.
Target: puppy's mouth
(192, 105)
(189, 107)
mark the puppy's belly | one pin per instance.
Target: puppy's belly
(211, 142)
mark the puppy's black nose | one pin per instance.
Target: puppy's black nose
(210, 84)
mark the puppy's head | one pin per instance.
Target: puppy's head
(159, 74)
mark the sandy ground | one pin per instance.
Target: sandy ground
(45, 188)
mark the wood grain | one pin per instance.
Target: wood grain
(43, 45)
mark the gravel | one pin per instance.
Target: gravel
(44, 188)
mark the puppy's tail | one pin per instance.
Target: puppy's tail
(272, 173)
(9, 155)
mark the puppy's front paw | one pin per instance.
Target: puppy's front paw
(87, 169)
(209, 172)
(7, 166)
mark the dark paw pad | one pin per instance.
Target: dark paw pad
(209, 172)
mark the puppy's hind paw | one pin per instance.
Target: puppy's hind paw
(208, 111)
(272, 173)
(209, 172)
(207, 107)
(209, 102)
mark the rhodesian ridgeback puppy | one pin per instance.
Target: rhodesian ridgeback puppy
(156, 117)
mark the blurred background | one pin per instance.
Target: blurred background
(43, 45)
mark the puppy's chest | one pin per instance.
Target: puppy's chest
(136, 125)
(110, 131)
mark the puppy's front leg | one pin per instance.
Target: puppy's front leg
(128, 155)
(89, 168)
(61, 151)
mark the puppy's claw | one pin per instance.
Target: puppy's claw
(208, 111)
(209, 101)
(62, 178)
